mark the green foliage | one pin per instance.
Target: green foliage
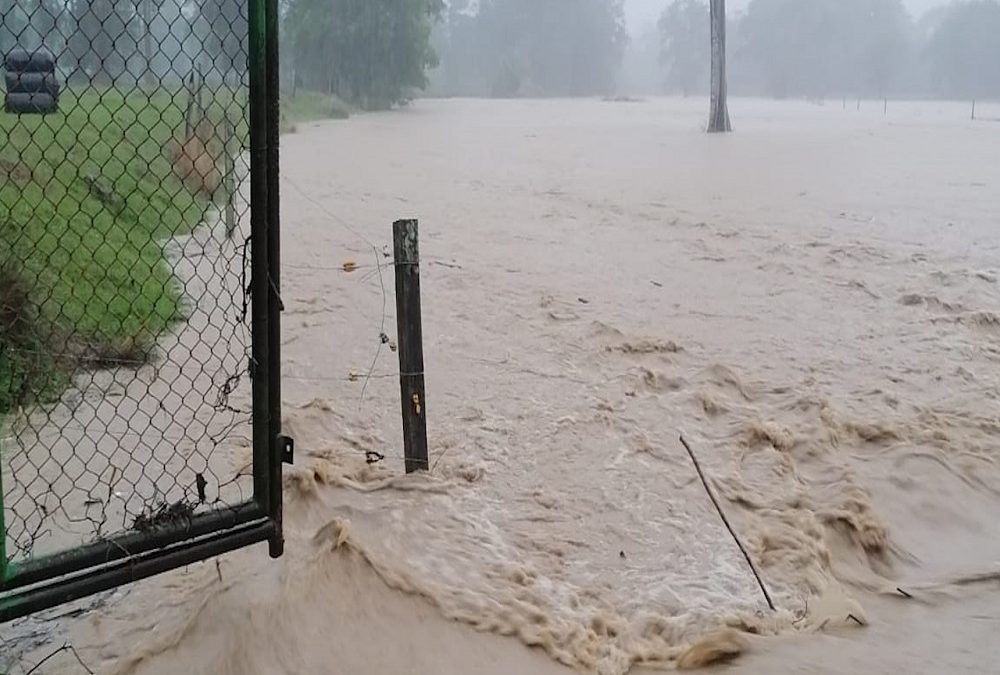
(80, 272)
(370, 53)
(307, 106)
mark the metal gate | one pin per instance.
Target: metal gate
(139, 291)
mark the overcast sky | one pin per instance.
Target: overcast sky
(642, 11)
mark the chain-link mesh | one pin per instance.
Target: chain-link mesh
(124, 264)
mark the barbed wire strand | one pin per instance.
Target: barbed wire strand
(383, 338)
(326, 211)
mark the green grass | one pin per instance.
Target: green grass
(87, 199)
(309, 106)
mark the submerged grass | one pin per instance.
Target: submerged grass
(309, 106)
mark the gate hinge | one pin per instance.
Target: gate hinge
(286, 446)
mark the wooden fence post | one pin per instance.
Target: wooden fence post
(411, 348)
(201, 95)
(189, 111)
(229, 180)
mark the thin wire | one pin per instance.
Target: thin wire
(382, 338)
(322, 268)
(340, 221)
(353, 268)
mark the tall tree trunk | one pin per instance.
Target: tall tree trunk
(718, 121)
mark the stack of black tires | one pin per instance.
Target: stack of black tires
(31, 82)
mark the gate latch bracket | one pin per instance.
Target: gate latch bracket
(286, 446)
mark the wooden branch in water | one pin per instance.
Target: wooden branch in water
(725, 521)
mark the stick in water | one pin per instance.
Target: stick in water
(722, 514)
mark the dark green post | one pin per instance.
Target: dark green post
(278, 443)
(259, 287)
(3, 527)
(268, 446)
(6, 569)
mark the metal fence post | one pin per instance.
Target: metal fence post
(281, 448)
(260, 291)
(3, 529)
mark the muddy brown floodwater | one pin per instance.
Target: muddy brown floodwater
(812, 301)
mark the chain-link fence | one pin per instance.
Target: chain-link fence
(137, 388)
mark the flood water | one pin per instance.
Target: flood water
(812, 301)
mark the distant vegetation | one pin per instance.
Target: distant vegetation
(374, 54)
(371, 54)
(834, 48)
(531, 48)
(307, 106)
(777, 48)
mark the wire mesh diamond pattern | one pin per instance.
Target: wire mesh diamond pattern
(124, 266)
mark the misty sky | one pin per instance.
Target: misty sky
(642, 11)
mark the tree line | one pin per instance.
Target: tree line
(373, 53)
(377, 53)
(834, 48)
(531, 48)
(123, 41)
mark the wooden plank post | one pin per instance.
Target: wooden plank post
(411, 348)
(189, 110)
(229, 178)
(201, 95)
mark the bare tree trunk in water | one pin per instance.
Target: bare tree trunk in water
(718, 121)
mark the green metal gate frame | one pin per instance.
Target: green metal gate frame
(55, 579)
